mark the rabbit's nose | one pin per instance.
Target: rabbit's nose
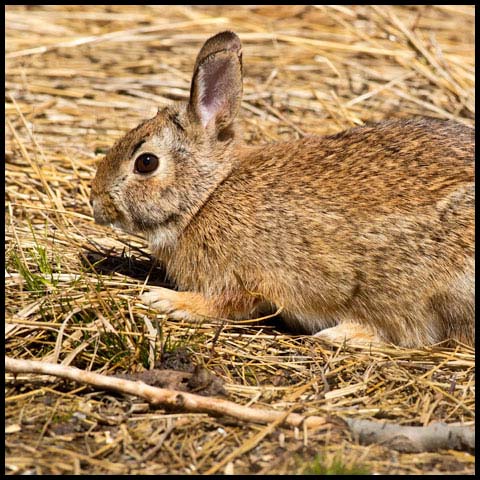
(95, 207)
(99, 214)
(94, 204)
(94, 196)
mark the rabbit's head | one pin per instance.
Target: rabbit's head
(156, 177)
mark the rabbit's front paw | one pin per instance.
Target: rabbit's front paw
(188, 306)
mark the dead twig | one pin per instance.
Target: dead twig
(165, 397)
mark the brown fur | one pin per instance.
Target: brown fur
(370, 227)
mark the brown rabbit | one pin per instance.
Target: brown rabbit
(365, 235)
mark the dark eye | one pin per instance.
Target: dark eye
(146, 163)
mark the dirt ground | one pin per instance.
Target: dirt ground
(77, 78)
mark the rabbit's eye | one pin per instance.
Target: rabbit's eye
(146, 163)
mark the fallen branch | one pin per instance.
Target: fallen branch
(434, 437)
(165, 397)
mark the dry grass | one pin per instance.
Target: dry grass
(77, 78)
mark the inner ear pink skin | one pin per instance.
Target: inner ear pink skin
(214, 91)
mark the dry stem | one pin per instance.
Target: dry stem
(161, 396)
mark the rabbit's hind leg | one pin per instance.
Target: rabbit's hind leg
(350, 332)
(455, 308)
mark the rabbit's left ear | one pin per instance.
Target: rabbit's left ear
(216, 90)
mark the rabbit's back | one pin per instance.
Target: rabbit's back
(398, 164)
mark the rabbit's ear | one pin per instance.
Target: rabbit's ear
(216, 90)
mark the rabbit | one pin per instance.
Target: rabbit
(365, 236)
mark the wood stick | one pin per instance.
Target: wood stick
(161, 396)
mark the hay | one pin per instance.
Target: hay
(77, 77)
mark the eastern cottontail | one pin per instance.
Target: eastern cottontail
(366, 234)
